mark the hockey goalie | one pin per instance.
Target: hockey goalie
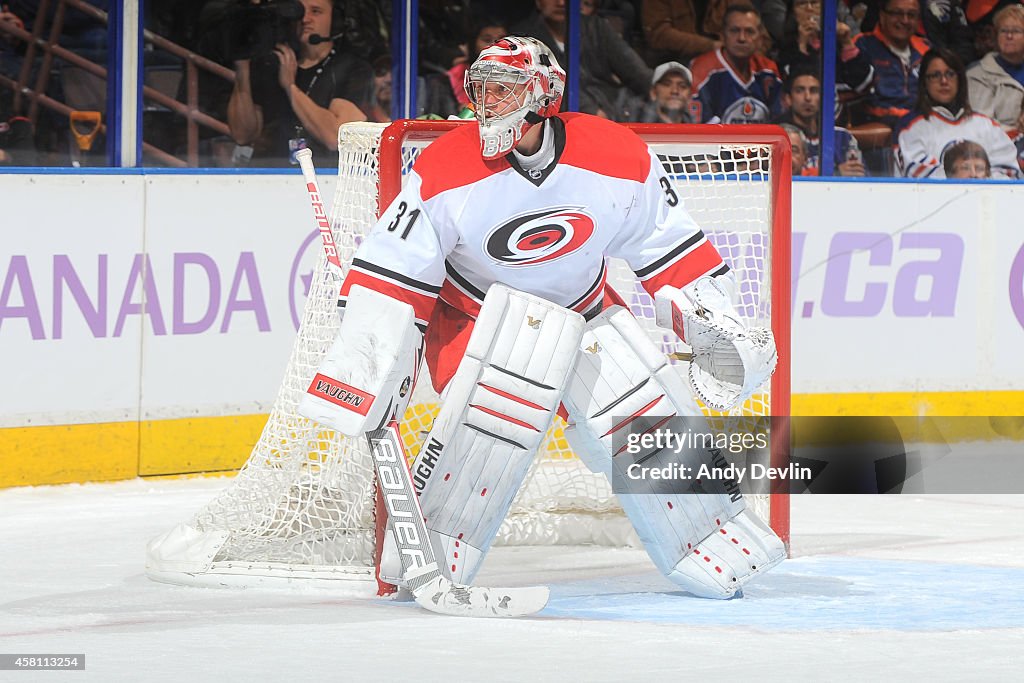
(490, 266)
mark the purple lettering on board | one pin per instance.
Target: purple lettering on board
(150, 304)
(178, 323)
(300, 279)
(1017, 286)
(943, 272)
(834, 299)
(246, 269)
(18, 271)
(95, 316)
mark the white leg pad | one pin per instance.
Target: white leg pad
(621, 375)
(719, 565)
(497, 410)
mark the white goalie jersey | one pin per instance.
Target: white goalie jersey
(462, 223)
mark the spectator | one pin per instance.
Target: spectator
(966, 159)
(945, 25)
(996, 82)
(671, 88)
(895, 52)
(734, 84)
(285, 101)
(607, 62)
(802, 99)
(799, 145)
(942, 116)
(380, 111)
(980, 19)
(673, 29)
(485, 32)
(802, 50)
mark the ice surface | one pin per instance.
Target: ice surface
(917, 587)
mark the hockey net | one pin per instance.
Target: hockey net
(302, 508)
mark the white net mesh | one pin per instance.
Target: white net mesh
(304, 501)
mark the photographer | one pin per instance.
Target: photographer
(297, 94)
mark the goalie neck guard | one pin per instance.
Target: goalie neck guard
(513, 85)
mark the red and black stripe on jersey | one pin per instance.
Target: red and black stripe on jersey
(460, 293)
(592, 298)
(692, 258)
(420, 295)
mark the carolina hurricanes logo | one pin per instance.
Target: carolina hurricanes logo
(539, 237)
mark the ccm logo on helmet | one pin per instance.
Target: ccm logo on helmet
(539, 237)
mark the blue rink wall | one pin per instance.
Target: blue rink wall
(146, 318)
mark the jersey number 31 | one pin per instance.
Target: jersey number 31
(413, 215)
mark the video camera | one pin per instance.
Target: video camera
(253, 29)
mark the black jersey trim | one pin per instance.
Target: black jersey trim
(672, 255)
(392, 275)
(590, 290)
(462, 282)
(558, 130)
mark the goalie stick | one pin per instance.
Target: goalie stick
(419, 566)
(430, 588)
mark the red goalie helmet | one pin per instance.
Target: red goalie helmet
(513, 85)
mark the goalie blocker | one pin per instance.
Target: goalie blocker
(370, 370)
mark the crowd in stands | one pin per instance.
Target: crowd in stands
(916, 81)
(897, 112)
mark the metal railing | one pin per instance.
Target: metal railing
(50, 47)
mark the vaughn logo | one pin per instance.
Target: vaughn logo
(426, 463)
(539, 237)
(340, 394)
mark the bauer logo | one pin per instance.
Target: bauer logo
(340, 394)
(539, 237)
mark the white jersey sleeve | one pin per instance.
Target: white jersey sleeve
(659, 239)
(403, 256)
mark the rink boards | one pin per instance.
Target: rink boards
(146, 318)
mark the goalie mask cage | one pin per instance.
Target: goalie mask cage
(303, 509)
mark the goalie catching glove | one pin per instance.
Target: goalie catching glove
(730, 361)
